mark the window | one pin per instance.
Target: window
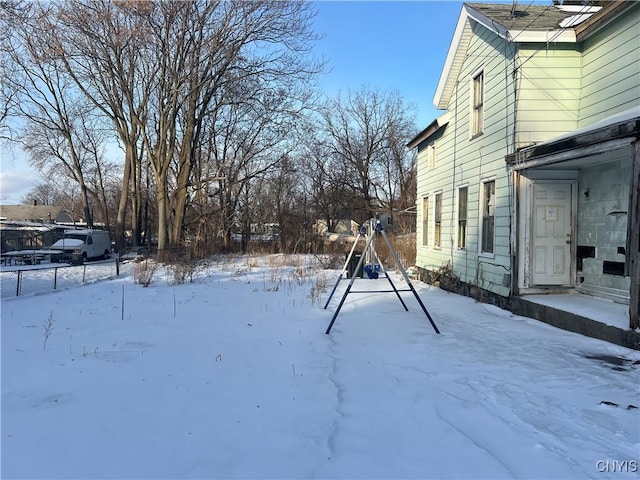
(437, 218)
(477, 113)
(462, 217)
(431, 155)
(488, 207)
(425, 221)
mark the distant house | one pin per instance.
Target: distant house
(32, 226)
(529, 181)
(259, 232)
(343, 226)
(35, 213)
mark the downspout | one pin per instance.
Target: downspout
(514, 177)
(452, 228)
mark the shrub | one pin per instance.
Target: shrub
(143, 272)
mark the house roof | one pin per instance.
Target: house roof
(34, 213)
(432, 128)
(505, 18)
(623, 125)
(526, 24)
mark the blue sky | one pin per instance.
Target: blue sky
(394, 45)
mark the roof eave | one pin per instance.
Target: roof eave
(450, 70)
(439, 101)
(623, 125)
(432, 128)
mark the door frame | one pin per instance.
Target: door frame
(525, 225)
(571, 264)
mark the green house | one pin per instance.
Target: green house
(528, 182)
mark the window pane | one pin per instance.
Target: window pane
(462, 234)
(462, 217)
(462, 203)
(487, 234)
(478, 103)
(425, 221)
(437, 221)
(488, 207)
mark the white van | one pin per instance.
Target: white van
(82, 245)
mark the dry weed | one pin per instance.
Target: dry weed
(143, 272)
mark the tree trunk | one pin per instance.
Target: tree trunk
(124, 197)
(164, 245)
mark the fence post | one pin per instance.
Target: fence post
(118, 266)
(18, 283)
(55, 278)
(84, 271)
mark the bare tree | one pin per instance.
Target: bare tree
(243, 149)
(103, 46)
(59, 133)
(12, 13)
(160, 69)
(366, 132)
(44, 193)
(326, 179)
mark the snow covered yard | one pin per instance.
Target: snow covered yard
(232, 376)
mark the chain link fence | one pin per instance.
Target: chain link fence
(46, 278)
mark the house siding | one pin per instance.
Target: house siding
(534, 93)
(462, 160)
(611, 70)
(548, 91)
(610, 85)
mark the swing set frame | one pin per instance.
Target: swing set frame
(375, 228)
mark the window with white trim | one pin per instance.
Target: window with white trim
(488, 215)
(431, 155)
(437, 221)
(477, 106)
(425, 220)
(462, 217)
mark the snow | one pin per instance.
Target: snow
(575, 20)
(68, 242)
(600, 309)
(232, 376)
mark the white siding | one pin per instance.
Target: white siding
(461, 160)
(611, 69)
(548, 92)
(556, 89)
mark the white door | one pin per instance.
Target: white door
(551, 252)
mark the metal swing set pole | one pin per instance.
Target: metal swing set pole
(353, 278)
(396, 291)
(344, 268)
(408, 280)
(368, 246)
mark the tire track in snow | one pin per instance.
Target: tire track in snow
(476, 440)
(339, 396)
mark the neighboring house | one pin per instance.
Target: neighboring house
(32, 226)
(259, 232)
(342, 226)
(529, 182)
(35, 213)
